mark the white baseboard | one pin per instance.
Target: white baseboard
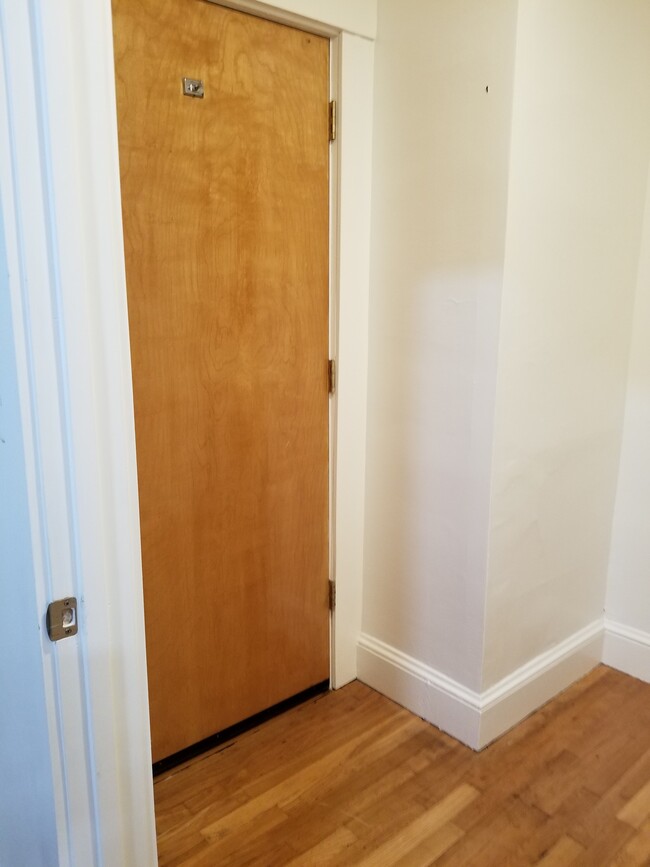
(627, 650)
(531, 686)
(474, 718)
(423, 690)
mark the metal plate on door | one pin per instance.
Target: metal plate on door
(193, 87)
(61, 618)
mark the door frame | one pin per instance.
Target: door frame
(59, 191)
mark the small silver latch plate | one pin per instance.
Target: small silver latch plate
(61, 618)
(193, 87)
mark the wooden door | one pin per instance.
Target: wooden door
(225, 205)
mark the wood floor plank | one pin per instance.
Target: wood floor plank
(637, 851)
(242, 773)
(636, 811)
(345, 712)
(432, 847)
(578, 803)
(563, 854)
(417, 831)
(245, 844)
(332, 846)
(347, 797)
(499, 837)
(605, 846)
(295, 785)
(353, 779)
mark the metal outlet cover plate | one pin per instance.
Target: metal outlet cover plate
(61, 618)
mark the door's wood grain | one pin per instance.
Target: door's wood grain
(225, 208)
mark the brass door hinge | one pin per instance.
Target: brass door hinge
(332, 597)
(332, 121)
(331, 376)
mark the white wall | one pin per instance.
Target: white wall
(27, 813)
(628, 598)
(579, 158)
(505, 245)
(440, 168)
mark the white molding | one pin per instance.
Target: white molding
(475, 718)
(426, 692)
(351, 276)
(324, 17)
(627, 649)
(34, 281)
(14, 37)
(538, 681)
(70, 329)
(81, 151)
(280, 16)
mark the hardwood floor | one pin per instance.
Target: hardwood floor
(352, 779)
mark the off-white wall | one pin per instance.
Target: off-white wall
(440, 168)
(628, 597)
(579, 158)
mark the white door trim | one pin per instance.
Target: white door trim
(59, 177)
(77, 420)
(19, 201)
